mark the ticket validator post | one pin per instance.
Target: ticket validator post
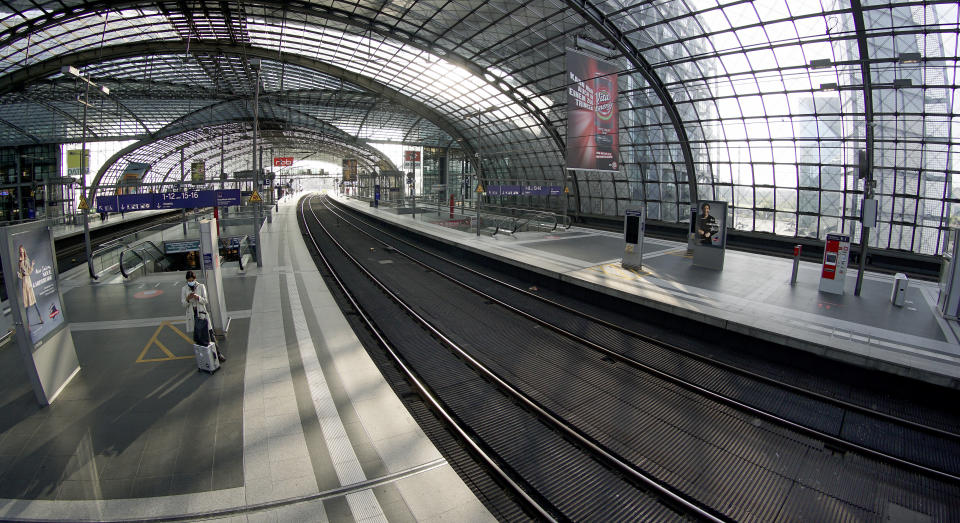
(633, 229)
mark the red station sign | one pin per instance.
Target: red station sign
(283, 161)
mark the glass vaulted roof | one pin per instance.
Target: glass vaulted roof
(763, 104)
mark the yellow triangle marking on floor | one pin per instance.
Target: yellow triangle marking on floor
(154, 340)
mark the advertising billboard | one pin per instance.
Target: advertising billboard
(73, 161)
(197, 172)
(349, 169)
(592, 117)
(710, 234)
(711, 228)
(36, 308)
(133, 173)
(40, 305)
(411, 160)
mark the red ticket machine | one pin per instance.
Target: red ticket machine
(836, 255)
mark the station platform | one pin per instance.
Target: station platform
(752, 294)
(297, 425)
(94, 222)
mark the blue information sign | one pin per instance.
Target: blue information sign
(171, 200)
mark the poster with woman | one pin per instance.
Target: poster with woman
(42, 332)
(42, 313)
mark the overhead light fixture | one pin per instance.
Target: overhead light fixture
(909, 58)
(902, 82)
(583, 43)
(69, 70)
(827, 87)
(821, 63)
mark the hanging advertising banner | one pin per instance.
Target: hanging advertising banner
(133, 173)
(592, 119)
(36, 307)
(197, 172)
(283, 161)
(73, 161)
(349, 169)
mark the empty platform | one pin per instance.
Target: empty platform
(751, 295)
(297, 425)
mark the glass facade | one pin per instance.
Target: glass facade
(765, 105)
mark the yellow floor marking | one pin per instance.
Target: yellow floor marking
(155, 341)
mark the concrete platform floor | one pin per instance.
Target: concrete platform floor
(298, 424)
(751, 295)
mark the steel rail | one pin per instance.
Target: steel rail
(423, 389)
(706, 359)
(943, 475)
(627, 468)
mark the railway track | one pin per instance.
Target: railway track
(776, 418)
(608, 488)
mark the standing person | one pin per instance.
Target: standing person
(193, 297)
(27, 296)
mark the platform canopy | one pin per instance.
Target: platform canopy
(763, 104)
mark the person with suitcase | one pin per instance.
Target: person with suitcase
(193, 296)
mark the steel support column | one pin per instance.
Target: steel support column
(856, 9)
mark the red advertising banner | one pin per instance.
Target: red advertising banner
(592, 121)
(283, 161)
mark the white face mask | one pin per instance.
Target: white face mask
(192, 284)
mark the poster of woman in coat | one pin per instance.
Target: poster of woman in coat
(38, 284)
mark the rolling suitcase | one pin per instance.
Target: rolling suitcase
(207, 357)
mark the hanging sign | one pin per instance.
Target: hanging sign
(74, 163)
(592, 119)
(197, 172)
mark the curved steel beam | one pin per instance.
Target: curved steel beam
(54, 109)
(341, 147)
(308, 8)
(17, 79)
(20, 130)
(171, 128)
(596, 17)
(95, 184)
(241, 151)
(406, 135)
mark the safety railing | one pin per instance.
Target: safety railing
(146, 257)
(105, 260)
